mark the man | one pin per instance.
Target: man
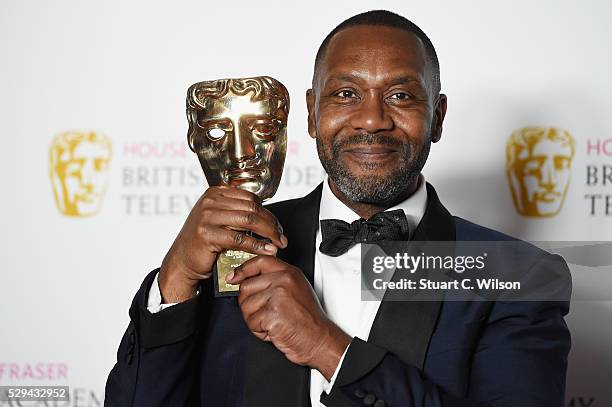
(298, 334)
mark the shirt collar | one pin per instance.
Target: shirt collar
(414, 206)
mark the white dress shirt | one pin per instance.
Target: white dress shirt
(337, 280)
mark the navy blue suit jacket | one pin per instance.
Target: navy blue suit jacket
(426, 353)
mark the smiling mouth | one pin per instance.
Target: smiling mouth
(371, 152)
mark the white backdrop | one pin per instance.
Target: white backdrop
(122, 68)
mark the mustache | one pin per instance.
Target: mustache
(367, 139)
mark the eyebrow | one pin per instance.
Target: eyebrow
(397, 80)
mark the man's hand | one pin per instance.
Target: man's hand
(216, 222)
(280, 306)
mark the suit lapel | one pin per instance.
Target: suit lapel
(405, 328)
(270, 379)
(301, 224)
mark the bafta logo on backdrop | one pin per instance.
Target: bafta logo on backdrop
(538, 164)
(79, 170)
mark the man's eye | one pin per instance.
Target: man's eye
(345, 93)
(215, 133)
(401, 96)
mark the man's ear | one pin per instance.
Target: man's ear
(310, 105)
(439, 114)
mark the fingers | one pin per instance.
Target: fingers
(260, 222)
(258, 323)
(224, 202)
(216, 222)
(250, 303)
(222, 238)
(256, 266)
(232, 192)
(224, 206)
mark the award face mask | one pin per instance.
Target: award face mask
(238, 129)
(79, 169)
(538, 164)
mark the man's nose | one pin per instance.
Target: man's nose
(372, 116)
(243, 147)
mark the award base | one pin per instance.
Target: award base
(227, 261)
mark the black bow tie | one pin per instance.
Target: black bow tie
(339, 236)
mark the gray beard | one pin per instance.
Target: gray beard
(374, 189)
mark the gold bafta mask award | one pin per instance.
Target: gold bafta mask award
(538, 163)
(78, 167)
(238, 129)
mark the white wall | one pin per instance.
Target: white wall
(122, 68)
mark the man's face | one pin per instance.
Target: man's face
(241, 142)
(373, 113)
(80, 177)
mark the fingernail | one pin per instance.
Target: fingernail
(229, 277)
(284, 240)
(270, 248)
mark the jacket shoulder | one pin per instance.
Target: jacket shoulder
(467, 230)
(470, 231)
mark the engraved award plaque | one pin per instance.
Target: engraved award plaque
(238, 129)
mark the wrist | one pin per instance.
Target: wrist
(332, 347)
(175, 288)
